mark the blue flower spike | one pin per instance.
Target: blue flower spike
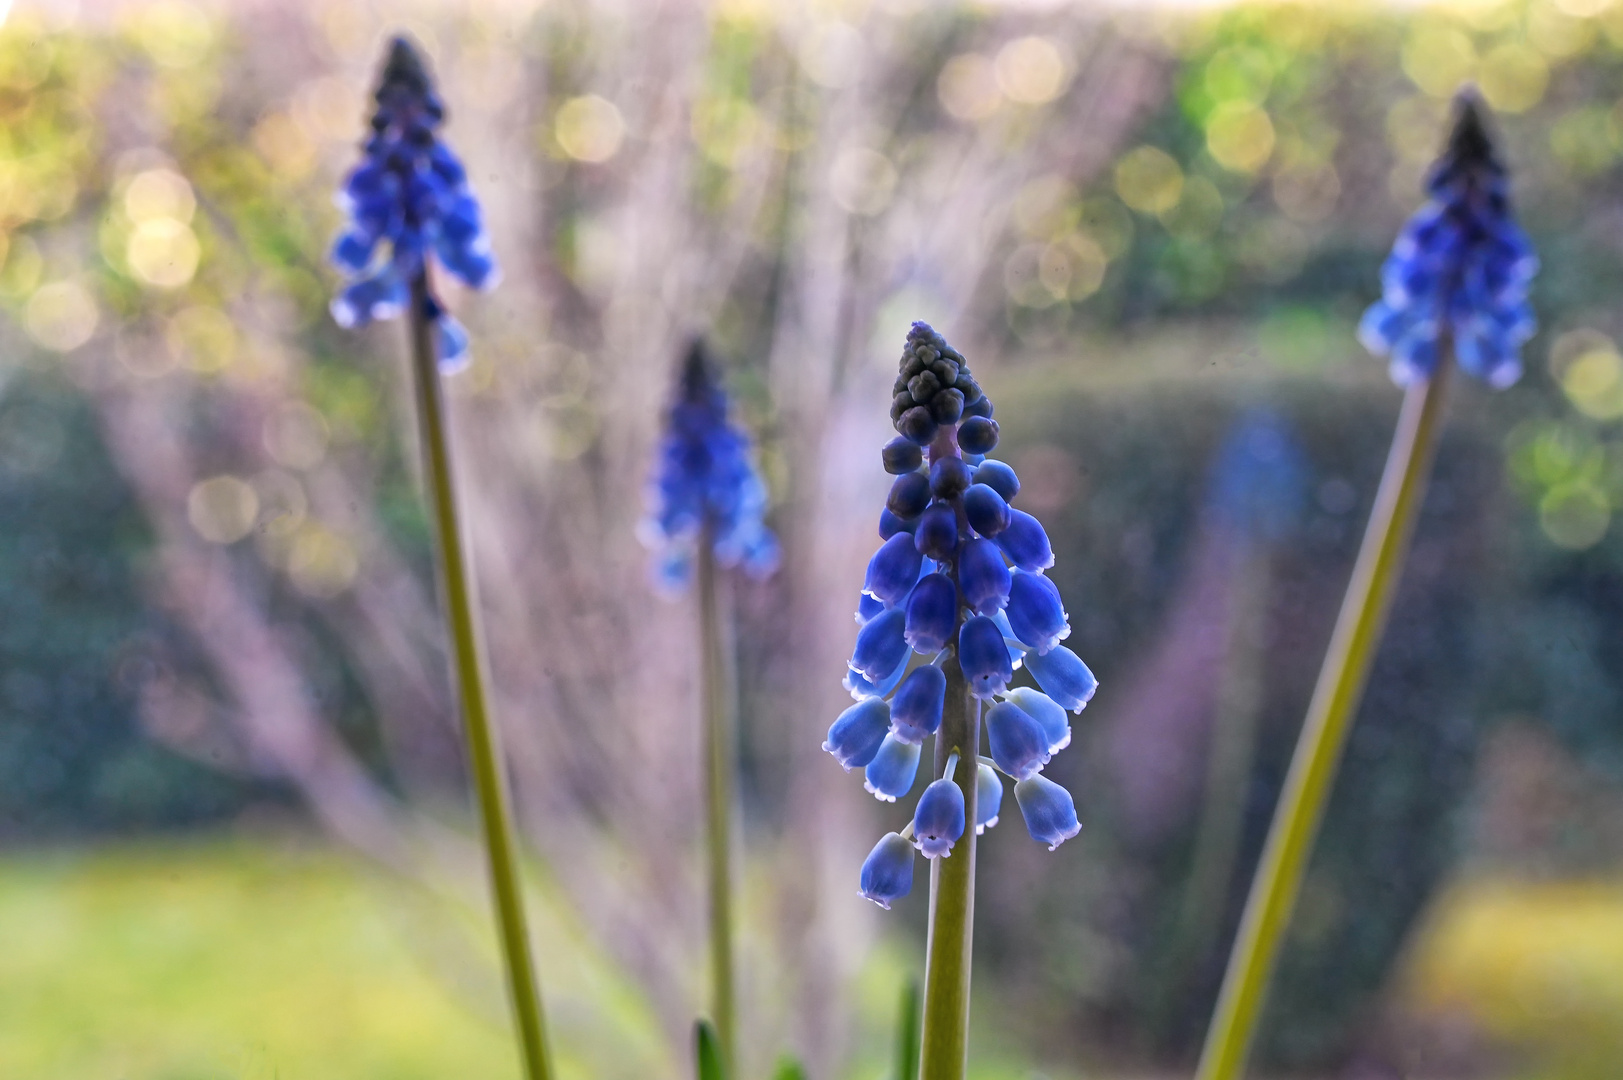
(407, 199)
(1460, 270)
(958, 577)
(705, 484)
(887, 873)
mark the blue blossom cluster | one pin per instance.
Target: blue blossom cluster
(958, 577)
(705, 483)
(1460, 270)
(407, 197)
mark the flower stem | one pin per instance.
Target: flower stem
(484, 753)
(944, 1053)
(716, 677)
(1335, 701)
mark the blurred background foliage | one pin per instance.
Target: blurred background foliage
(1151, 230)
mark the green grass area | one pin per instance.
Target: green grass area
(260, 961)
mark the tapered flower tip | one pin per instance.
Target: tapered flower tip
(983, 576)
(856, 735)
(988, 797)
(881, 646)
(1036, 614)
(984, 657)
(1049, 810)
(1017, 741)
(933, 387)
(887, 872)
(1063, 677)
(1055, 721)
(891, 773)
(1469, 143)
(404, 69)
(915, 712)
(939, 820)
(893, 570)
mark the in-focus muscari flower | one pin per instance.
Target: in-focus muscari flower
(887, 873)
(915, 711)
(705, 484)
(856, 735)
(408, 197)
(942, 581)
(939, 820)
(1459, 271)
(1049, 811)
(891, 773)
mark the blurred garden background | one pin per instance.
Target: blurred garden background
(235, 835)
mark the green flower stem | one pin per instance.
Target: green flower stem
(484, 753)
(907, 1032)
(717, 681)
(1324, 733)
(944, 1054)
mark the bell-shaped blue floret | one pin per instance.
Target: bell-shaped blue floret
(902, 455)
(984, 657)
(353, 251)
(893, 570)
(915, 712)
(937, 533)
(1055, 721)
(862, 687)
(998, 476)
(983, 576)
(1049, 811)
(932, 614)
(868, 607)
(887, 872)
(1036, 614)
(987, 511)
(988, 797)
(890, 774)
(939, 820)
(1017, 742)
(1063, 677)
(1025, 542)
(881, 646)
(978, 435)
(856, 735)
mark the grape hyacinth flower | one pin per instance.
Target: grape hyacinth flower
(1460, 269)
(1454, 289)
(705, 484)
(706, 504)
(954, 603)
(408, 197)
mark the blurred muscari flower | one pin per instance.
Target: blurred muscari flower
(1460, 269)
(705, 484)
(958, 570)
(409, 196)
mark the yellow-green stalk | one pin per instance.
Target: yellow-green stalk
(1324, 733)
(484, 746)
